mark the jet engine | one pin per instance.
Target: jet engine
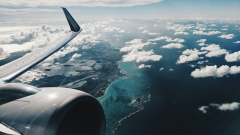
(51, 111)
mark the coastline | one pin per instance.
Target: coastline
(119, 95)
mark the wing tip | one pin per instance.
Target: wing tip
(72, 23)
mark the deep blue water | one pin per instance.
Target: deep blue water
(175, 95)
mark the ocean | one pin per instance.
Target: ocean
(172, 98)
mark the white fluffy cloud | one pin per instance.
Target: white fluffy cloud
(202, 62)
(229, 36)
(233, 57)
(28, 35)
(141, 28)
(29, 76)
(179, 28)
(206, 33)
(222, 107)
(148, 32)
(75, 56)
(224, 29)
(214, 50)
(213, 71)
(201, 42)
(167, 39)
(184, 58)
(203, 109)
(237, 42)
(213, 25)
(145, 31)
(3, 54)
(111, 29)
(152, 33)
(142, 56)
(189, 55)
(191, 52)
(144, 66)
(229, 106)
(134, 44)
(173, 45)
(181, 33)
(111, 3)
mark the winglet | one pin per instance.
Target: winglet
(72, 23)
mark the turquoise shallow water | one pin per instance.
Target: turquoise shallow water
(119, 95)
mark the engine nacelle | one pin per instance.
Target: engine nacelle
(54, 111)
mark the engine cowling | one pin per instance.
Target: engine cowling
(54, 111)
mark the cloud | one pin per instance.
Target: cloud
(179, 28)
(206, 33)
(201, 42)
(161, 69)
(20, 11)
(181, 33)
(144, 66)
(75, 56)
(233, 57)
(40, 36)
(213, 25)
(149, 33)
(145, 31)
(191, 52)
(184, 58)
(200, 27)
(141, 28)
(117, 35)
(213, 71)
(31, 75)
(134, 44)
(167, 39)
(203, 109)
(112, 29)
(229, 36)
(202, 62)
(222, 107)
(237, 42)
(3, 54)
(170, 69)
(189, 55)
(61, 53)
(214, 50)
(224, 29)
(152, 33)
(105, 3)
(229, 106)
(20, 38)
(142, 56)
(173, 45)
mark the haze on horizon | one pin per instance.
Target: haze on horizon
(127, 9)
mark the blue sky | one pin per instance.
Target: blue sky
(130, 9)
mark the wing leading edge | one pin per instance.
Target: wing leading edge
(12, 70)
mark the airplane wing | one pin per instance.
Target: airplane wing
(12, 70)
